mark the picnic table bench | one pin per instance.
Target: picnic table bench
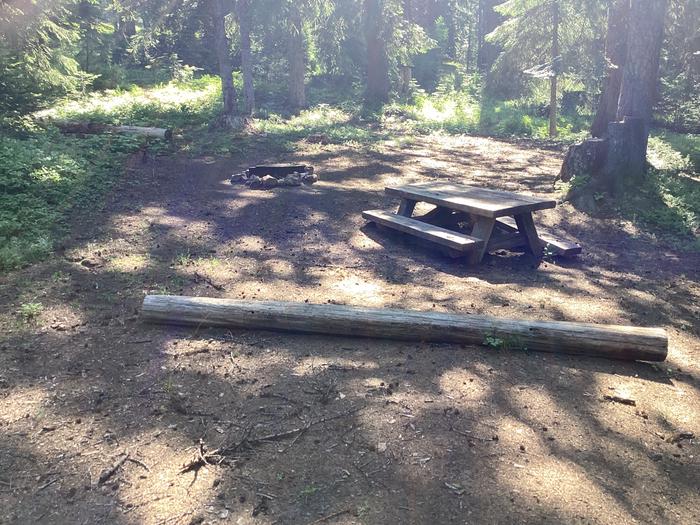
(495, 219)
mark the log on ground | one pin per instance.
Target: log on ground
(612, 341)
(93, 128)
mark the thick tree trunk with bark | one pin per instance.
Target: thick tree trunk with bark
(488, 20)
(615, 57)
(244, 21)
(586, 158)
(451, 50)
(377, 63)
(222, 53)
(406, 70)
(297, 58)
(641, 73)
(626, 158)
(627, 137)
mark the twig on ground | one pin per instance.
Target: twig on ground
(329, 516)
(108, 473)
(198, 277)
(293, 431)
(139, 463)
(219, 455)
(620, 399)
(47, 484)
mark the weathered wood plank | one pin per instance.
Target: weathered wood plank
(618, 342)
(469, 199)
(552, 243)
(406, 207)
(454, 240)
(526, 226)
(483, 227)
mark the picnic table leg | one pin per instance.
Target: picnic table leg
(526, 226)
(483, 227)
(406, 207)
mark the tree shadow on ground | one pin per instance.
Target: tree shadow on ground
(421, 451)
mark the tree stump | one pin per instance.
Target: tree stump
(607, 165)
(583, 159)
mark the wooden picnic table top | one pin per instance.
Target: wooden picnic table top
(471, 199)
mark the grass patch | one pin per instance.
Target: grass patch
(669, 200)
(464, 113)
(44, 176)
(330, 125)
(175, 105)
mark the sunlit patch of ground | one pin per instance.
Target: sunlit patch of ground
(420, 433)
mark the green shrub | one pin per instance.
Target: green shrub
(43, 177)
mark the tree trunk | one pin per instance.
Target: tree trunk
(451, 50)
(297, 58)
(583, 159)
(125, 29)
(626, 156)
(244, 22)
(627, 138)
(406, 70)
(222, 52)
(555, 67)
(615, 56)
(641, 74)
(377, 63)
(488, 20)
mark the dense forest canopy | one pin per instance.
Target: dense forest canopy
(383, 48)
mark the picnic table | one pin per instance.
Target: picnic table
(494, 219)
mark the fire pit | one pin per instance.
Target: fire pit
(266, 177)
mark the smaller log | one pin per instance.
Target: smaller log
(161, 133)
(93, 128)
(617, 342)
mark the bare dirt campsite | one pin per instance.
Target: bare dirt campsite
(340, 262)
(107, 419)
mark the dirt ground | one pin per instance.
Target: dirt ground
(397, 432)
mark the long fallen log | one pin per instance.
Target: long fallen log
(95, 128)
(617, 342)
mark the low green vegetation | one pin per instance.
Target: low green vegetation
(43, 177)
(669, 202)
(46, 175)
(468, 111)
(30, 311)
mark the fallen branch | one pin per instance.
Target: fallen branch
(199, 278)
(620, 399)
(108, 473)
(218, 456)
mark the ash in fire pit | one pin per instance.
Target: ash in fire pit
(265, 177)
